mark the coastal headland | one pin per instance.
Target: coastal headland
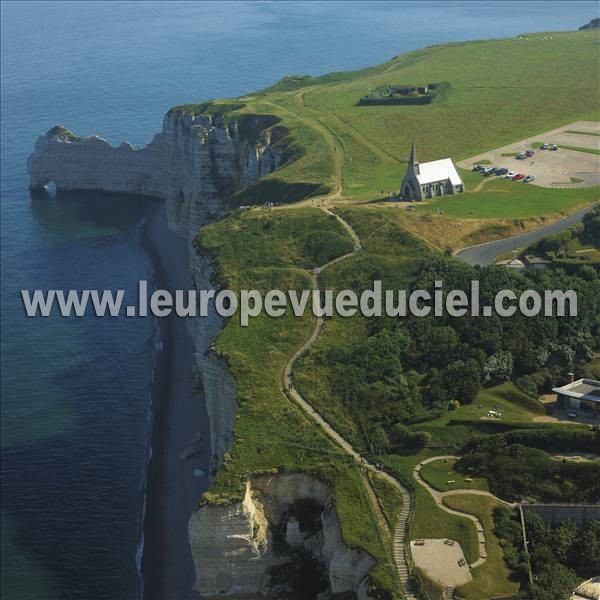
(317, 476)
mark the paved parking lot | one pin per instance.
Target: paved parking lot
(552, 168)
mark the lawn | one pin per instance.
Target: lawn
(492, 578)
(596, 133)
(258, 250)
(505, 398)
(427, 519)
(330, 142)
(476, 217)
(438, 473)
(574, 148)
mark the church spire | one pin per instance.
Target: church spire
(412, 161)
(413, 153)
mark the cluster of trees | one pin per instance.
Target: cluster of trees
(559, 556)
(586, 232)
(515, 472)
(551, 439)
(409, 367)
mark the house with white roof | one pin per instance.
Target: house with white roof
(430, 179)
(583, 394)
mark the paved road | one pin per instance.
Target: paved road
(484, 254)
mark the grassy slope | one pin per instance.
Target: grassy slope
(427, 520)
(260, 250)
(493, 578)
(363, 148)
(389, 254)
(334, 146)
(389, 498)
(439, 472)
(506, 398)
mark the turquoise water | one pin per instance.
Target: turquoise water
(75, 392)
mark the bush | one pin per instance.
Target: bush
(406, 440)
(528, 385)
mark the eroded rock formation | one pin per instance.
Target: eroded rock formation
(197, 164)
(239, 549)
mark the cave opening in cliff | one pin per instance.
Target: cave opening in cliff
(297, 540)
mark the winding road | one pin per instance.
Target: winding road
(400, 532)
(484, 254)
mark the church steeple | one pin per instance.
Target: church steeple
(412, 161)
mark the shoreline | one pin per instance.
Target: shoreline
(173, 487)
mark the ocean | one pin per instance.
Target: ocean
(76, 392)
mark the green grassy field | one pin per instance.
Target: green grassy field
(492, 578)
(513, 404)
(427, 519)
(574, 148)
(353, 156)
(260, 250)
(360, 150)
(583, 132)
(439, 472)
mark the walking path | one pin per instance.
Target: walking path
(401, 529)
(439, 496)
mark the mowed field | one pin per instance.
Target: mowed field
(501, 91)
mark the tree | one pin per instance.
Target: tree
(498, 368)
(555, 582)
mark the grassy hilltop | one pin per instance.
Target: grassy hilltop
(500, 91)
(351, 156)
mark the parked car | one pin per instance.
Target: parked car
(477, 168)
(521, 156)
(572, 415)
(554, 147)
(529, 178)
(529, 153)
(511, 174)
(519, 177)
(502, 171)
(544, 147)
(486, 170)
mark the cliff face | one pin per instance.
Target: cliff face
(234, 547)
(217, 383)
(196, 164)
(593, 24)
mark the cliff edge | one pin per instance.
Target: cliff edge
(196, 164)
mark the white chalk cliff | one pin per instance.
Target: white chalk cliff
(197, 163)
(233, 548)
